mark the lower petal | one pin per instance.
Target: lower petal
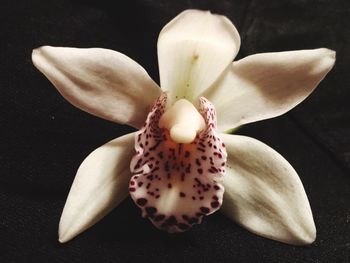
(100, 185)
(264, 193)
(176, 184)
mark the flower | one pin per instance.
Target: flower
(184, 159)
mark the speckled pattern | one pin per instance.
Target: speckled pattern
(175, 185)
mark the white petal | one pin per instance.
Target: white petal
(193, 50)
(102, 82)
(100, 185)
(264, 194)
(267, 85)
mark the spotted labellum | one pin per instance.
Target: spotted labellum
(182, 165)
(175, 171)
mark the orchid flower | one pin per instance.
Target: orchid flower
(181, 165)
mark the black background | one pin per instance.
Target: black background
(44, 138)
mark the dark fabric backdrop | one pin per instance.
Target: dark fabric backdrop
(44, 139)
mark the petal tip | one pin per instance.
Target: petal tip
(308, 237)
(37, 56)
(330, 53)
(35, 53)
(62, 240)
(63, 237)
(66, 233)
(328, 57)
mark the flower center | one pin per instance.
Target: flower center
(183, 121)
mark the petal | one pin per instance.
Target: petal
(176, 184)
(102, 82)
(193, 50)
(100, 185)
(267, 85)
(264, 194)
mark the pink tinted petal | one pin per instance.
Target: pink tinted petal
(175, 185)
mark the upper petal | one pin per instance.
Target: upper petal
(102, 82)
(264, 194)
(193, 50)
(100, 184)
(267, 85)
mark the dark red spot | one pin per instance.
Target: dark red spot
(200, 170)
(182, 194)
(166, 166)
(150, 177)
(214, 169)
(171, 221)
(215, 204)
(132, 189)
(141, 201)
(188, 168)
(140, 184)
(204, 209)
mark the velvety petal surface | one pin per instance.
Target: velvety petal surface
(100, 184)
(264, 194)
(176, 184)
(102, 82)
(267, 85)
(193, 50)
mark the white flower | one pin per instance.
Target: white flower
(179, 171)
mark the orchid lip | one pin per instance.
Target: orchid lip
(175, 184)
